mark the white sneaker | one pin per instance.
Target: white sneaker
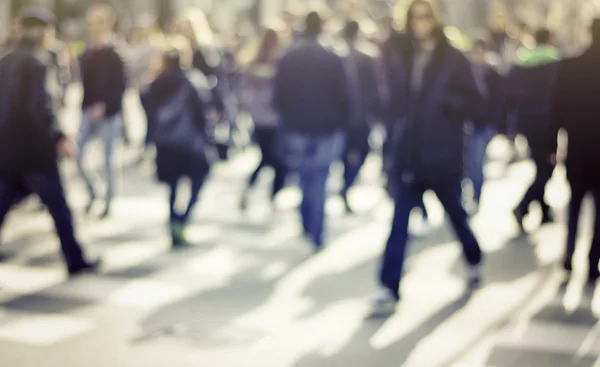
(384, 303)
(473, 276)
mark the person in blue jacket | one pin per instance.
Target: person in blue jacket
(434, 93)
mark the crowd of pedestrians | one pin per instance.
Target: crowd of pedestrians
(315, 94)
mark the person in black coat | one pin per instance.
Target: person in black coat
(576, 109)
(30, 140)
(434, 94)
(177, 115)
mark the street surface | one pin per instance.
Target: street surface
(249, 292)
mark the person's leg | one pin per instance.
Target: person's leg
(87, 131)
(262, 140)
(406, 198)
(8, 193)
(313, 182)
(594, 257)
(279, 180)
(50, 190)
(109, 134)
(536, 192)
(173, 216)
(477, 155)
(450, 195)
(197, 184)
(577, 195)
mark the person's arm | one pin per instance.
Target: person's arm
(464, 102)
(557, 117)
(341, 87)
(40, 103)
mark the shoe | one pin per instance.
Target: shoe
(178, 235)
(520, 217)
(88, 268)
(473, 277)
(384, 303)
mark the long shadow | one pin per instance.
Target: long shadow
(358, 352)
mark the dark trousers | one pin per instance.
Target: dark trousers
(408, 196)
(356, 152)
(537, 190)
(578, 193)
(49, 188)
(184, 217)
(267, 140)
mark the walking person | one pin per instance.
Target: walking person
(576, 109)
(104, 83)
(529, 96)
(258, 101)
(30, 139)
(175, 104)
(435, 93)
(361, 70)
(312, 100)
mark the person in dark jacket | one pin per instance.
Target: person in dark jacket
(312, 100)
(361, 70)
(30, 140)
(177, 114)
(104, 83)
(258, 101)
(575, 108)
(434, 94)
(529, 96)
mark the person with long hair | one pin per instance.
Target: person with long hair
(258, 101)
(434, 93)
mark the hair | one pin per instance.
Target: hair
(202, 32)
(268, 46)
(436, 12)
(596, 31)
(314, 24)
(543, 36)
(351, 30)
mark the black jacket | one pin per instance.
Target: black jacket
(104, 79)
(28, 127)
(576, 108)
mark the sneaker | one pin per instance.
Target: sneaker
(384, 303)
(88, 268)
(520, 217)
(473, 276)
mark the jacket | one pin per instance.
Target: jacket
(311, 93)
(427, 128)
(28, 127)
(104, 79)
(576, 109)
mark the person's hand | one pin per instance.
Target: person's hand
(553, 159)
(98, 111)
(67, 147)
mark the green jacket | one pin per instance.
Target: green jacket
(540, 55)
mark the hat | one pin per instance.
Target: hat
(37, 17)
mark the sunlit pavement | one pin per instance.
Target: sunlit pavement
(249, 293)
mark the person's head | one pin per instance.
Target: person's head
(100, 22)
(194, 26)
(596, 31)
(543, 36)
(313, 24)
(177, 55)
(268, 46)
(37, 25)
(423, 20)
(351, 31)
(498, 21)
(478, 51)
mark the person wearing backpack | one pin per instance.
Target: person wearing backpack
(177, 115)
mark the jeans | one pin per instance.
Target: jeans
(578, 193)
(184, 217)
(450, 194)
(537, 190)
(311, 157)
(50, 190)
(107, 130)
(266, 138)
(477, 154)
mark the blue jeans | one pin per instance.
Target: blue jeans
(578, 193)
(107, 130)
(409, 195)
(311, 157)
(49, 188)
(477, 154)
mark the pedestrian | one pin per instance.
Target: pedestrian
(177, 112)
(361, 70)
(258, 101)
(104, 83)
(576, 109)
(435, 93)
(529, 96)
(311, 97)
(489, 83)
(30, 139)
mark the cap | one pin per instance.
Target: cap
(37, 17)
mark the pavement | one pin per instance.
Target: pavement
(250, 292)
